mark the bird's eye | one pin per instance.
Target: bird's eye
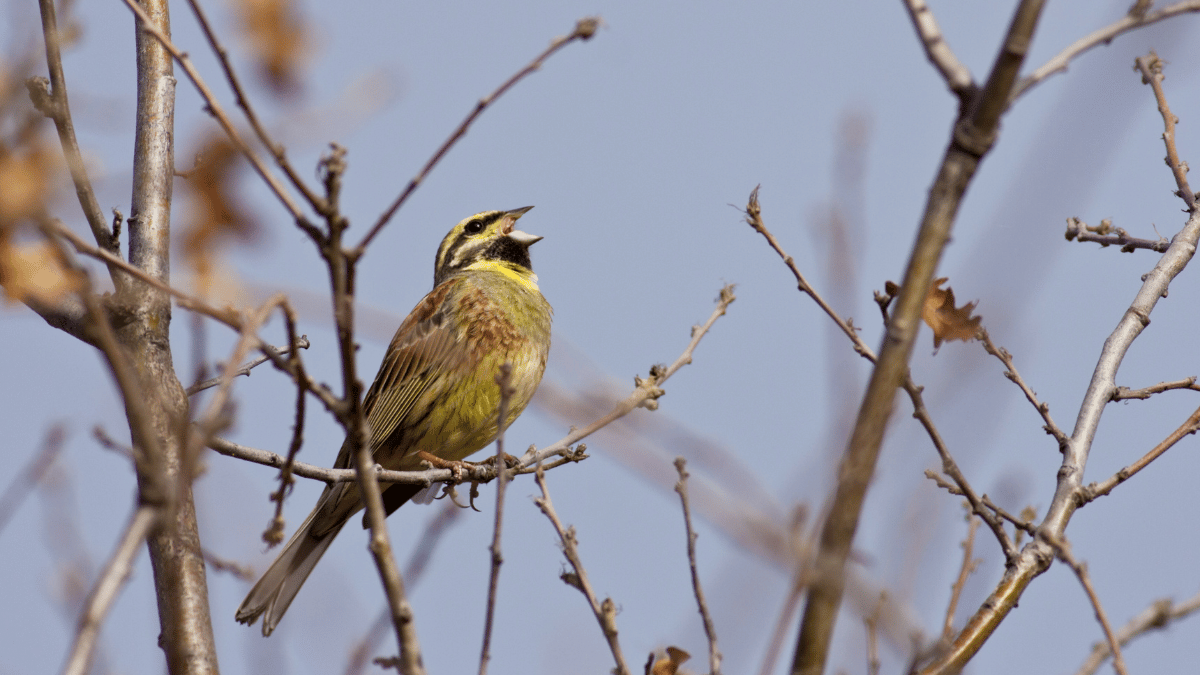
(474, 227)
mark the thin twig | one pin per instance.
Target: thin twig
(1151, 68)
(584, 30)
(710, 631)
(504, 381)
(1063, 550)
(482, 472)
(105, 590)
(954, 72)
(220, 564)
(227, 316)
(753, 216)
(276, 149)
(1159, 615)
(215, 415)
(1081, 231)
(1190, 426)
(973, 136)
(1010, 371)
(28, 478)
(1125, 393)
(969, 563)
(1059, 62)
(295, 366)
(413, 571)
(381, 550)
(301, 343)
(61, 115)
(1022, 524)
(871, 624)
(215, 109)
(950, 468)
(646, 392)
(606, 611)
(786, 612)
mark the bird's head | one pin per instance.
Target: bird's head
(485, 240)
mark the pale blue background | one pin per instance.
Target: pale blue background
(632, 147)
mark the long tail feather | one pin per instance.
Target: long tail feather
(275, 591)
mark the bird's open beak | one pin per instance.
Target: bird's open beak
(510, 221)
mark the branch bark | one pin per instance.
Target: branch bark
(972, 138)
(175, 553)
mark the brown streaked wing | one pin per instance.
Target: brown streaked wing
(424, 346)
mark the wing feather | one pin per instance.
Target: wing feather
(425, 346)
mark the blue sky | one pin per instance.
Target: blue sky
(633, 147)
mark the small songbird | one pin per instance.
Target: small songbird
(436, 390)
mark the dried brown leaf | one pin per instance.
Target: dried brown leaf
(669, 664)
(216, 212)
(279, 38)
(35, 272)
(26, 179)
(947, 321)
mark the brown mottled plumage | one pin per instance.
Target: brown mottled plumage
(435, 390)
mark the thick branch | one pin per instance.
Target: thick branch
(972, 139)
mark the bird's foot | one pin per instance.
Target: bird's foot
(459, 467)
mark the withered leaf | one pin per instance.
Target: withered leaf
(276, 32)
(35, 272)
(216, 213)
(669, 664)
(947, 321)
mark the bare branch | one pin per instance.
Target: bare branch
(504, 381)
(227, 316)
(584, 30)
(60, 113)
(1158, 615)
(478, 473)
(1063, 550)
(969, 563)
(710, 631)
(413, 571)
(753, 215)
(381, 549)
(1081, 231)
(301, 343)
(217, 111)
(1010, 371)
(606, 611)
(1151, 69)
(645, 393)
(871, 623)
(973, 136)
(954, 72)
(961, 487)
(1124, 393)
(105, 590)
(277, 150)
(1190, 426)
(786, 612)
(1070, 493)
(28, 478)
(1103, 36)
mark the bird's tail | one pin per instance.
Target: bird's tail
(275, 591)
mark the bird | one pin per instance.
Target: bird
(436, 392)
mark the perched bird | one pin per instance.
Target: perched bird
(436, 390)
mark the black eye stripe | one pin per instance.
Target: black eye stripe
(447, 260)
